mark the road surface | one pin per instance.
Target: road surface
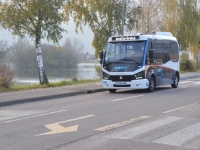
(167, 119)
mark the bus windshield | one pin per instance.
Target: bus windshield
(131, 51)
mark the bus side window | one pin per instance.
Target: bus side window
(174, 52)
(166, 51)
(158, 52)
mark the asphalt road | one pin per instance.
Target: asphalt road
(167, 119)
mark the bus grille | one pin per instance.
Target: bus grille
(124, 78)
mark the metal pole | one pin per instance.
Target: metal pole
(122, 17)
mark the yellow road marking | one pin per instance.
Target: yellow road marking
(125, 98)
(117, 125)
(172, 110)
(57, 128)
(54, 112)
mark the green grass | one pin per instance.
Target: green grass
(73, 81)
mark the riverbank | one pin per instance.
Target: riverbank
(85, 71)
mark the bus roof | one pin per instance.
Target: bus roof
(142, 37)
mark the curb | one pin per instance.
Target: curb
(48, 97)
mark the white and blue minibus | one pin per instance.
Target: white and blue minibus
(140, 62)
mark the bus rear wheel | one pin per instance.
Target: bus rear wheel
(151, 84)
(112, 90)
(175, 84)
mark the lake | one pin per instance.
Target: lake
(30, 75)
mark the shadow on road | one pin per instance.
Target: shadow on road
(139, 91)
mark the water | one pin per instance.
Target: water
(30, 75)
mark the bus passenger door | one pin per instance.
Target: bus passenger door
(158, 62)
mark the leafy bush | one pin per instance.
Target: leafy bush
(6, 76)
(74, 79)
(198, 66)
(186, 64)
(98, 71)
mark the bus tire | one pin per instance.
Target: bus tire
(151, 84)
(175, 82)
(112, 90)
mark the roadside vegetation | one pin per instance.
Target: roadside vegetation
(17, 87)
(187, 65)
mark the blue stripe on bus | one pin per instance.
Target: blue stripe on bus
(145, 52)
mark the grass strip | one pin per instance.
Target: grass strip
(74, 81)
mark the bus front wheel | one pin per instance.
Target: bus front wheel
(112, 90)
(151, 84)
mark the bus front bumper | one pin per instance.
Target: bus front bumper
(134, 84)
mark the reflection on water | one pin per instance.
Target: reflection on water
(30, 75)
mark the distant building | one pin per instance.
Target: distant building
(86, 57)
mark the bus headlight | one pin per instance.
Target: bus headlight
(139, 75)
(105, 76)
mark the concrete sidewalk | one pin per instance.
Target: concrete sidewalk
(12, 98)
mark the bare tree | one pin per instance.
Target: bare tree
(77, 45)
(3, 50)
(71, 54)
(152, 16)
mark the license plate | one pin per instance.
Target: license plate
(120, 83)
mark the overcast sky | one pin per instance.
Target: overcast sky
(86, 38)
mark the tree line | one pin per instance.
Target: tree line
(22, 54)
(40, 19)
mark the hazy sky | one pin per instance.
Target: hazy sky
(86, 38)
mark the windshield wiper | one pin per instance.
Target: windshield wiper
(126, 59)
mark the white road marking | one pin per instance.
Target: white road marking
(180, 137)
(121, 99)
(132, 132)
(185, 82)
(70, 120)
(117, 125)
(39, 115)
(172, 110)
(197, 83)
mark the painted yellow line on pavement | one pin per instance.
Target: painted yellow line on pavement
(121, 99)
(117, 125)
(49, 113)
(179, 108)
(56, 129)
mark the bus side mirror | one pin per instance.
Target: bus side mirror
(101, 57)
(151, 56)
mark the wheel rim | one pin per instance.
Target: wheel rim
(176, 80)
(152, 84)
